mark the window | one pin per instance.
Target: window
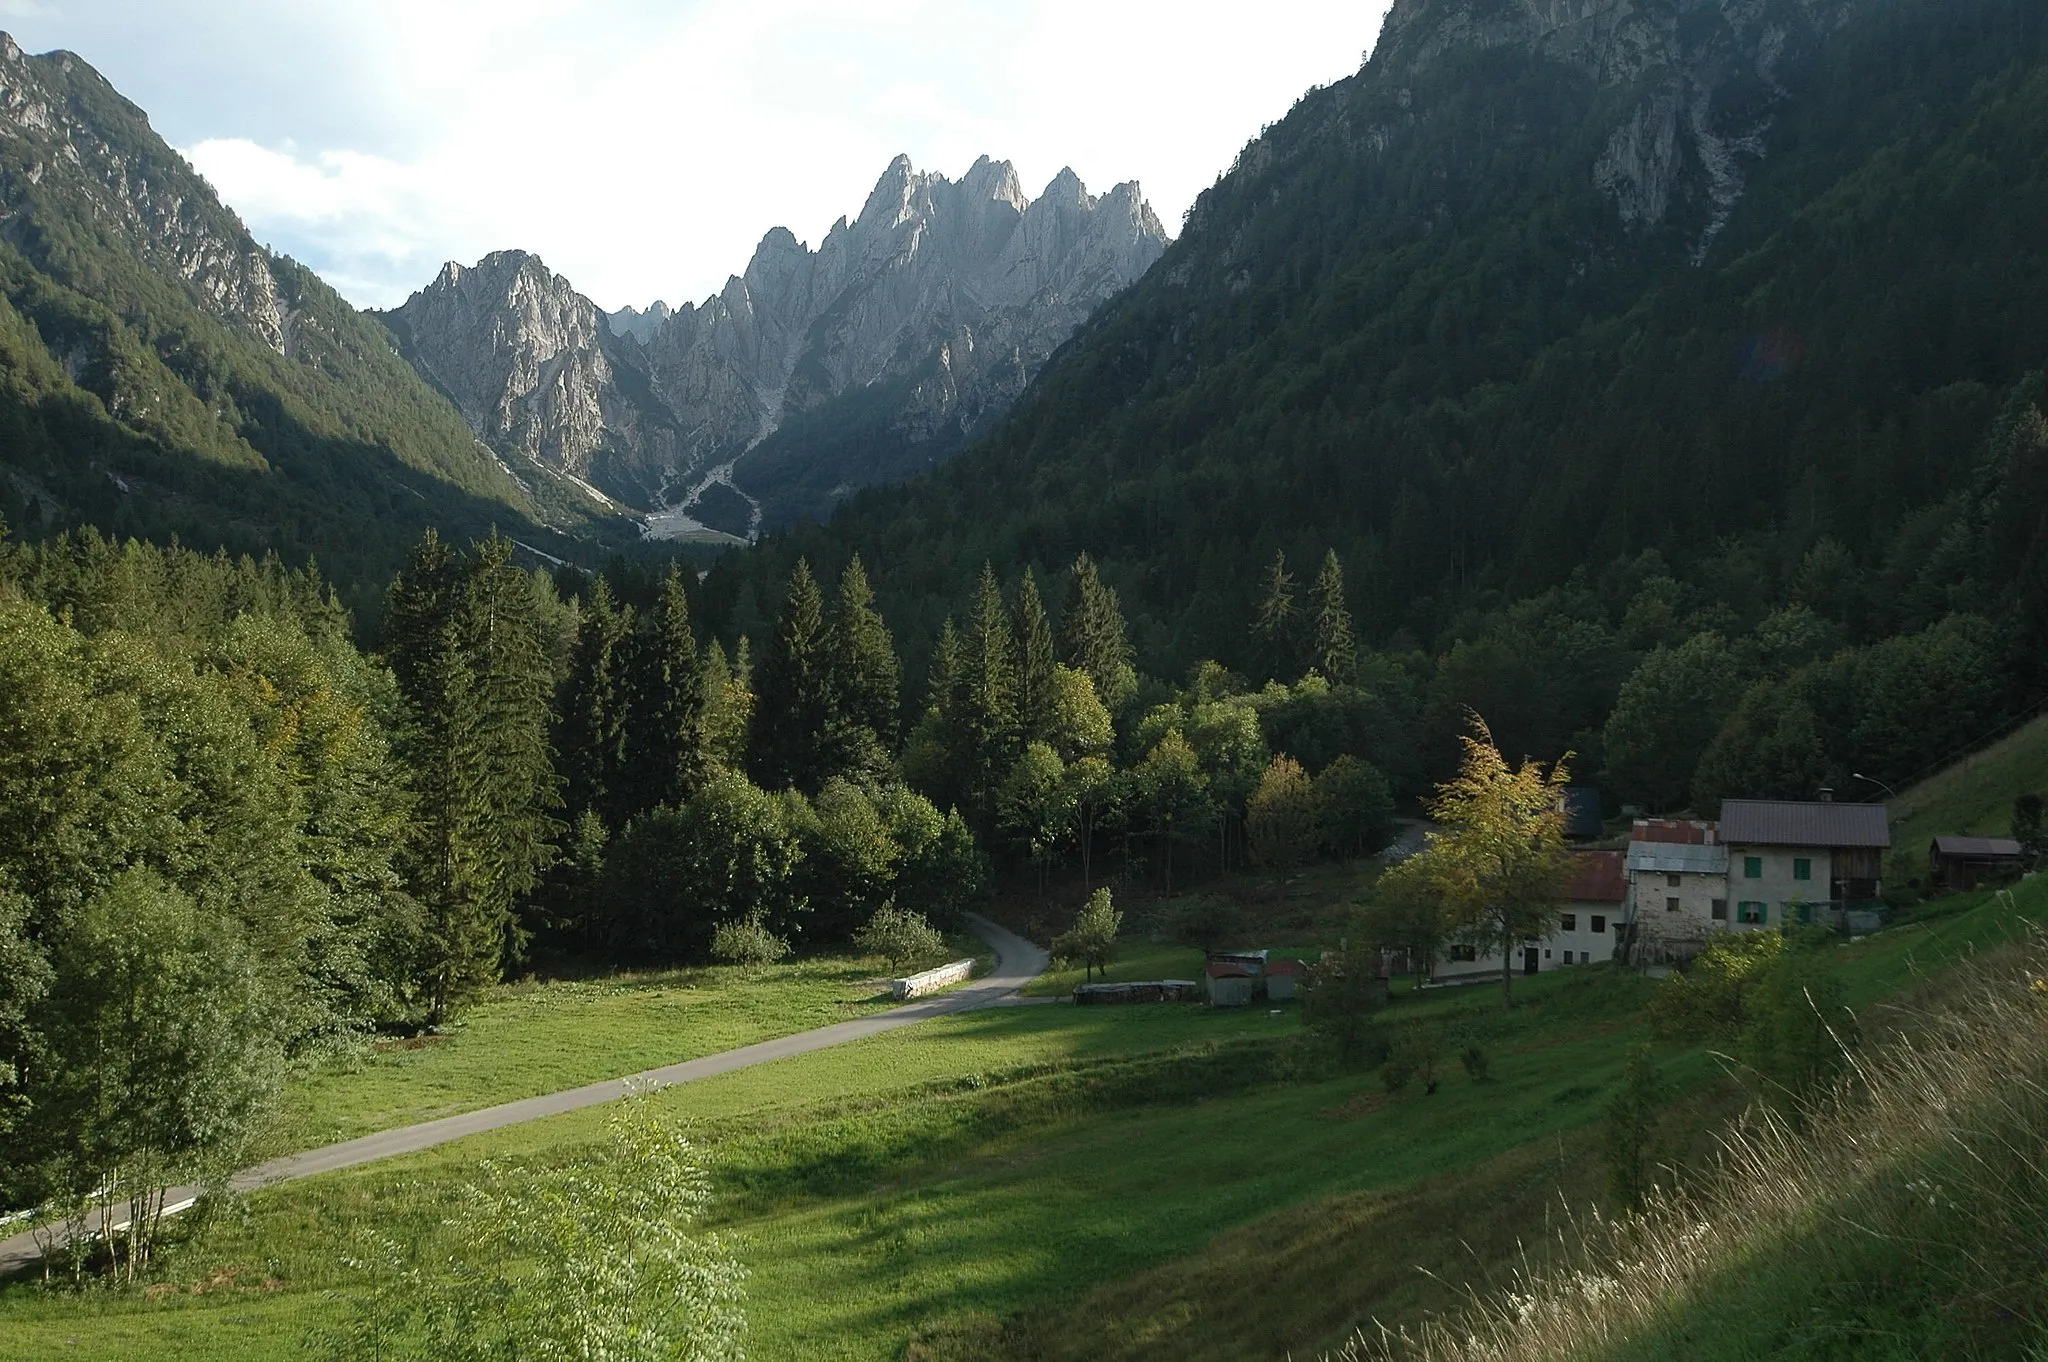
(1671, 904)
(1546, 953)
(1720, 910)
(1599, 923)
(1464, 953)
(1568, 922)
(1672, 881)
(1585, 957)
(1752, 867)
(1753, 912)
(1804, 912)
(1802, 869)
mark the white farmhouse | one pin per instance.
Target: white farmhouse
(1584, 931)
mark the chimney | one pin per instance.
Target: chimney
(1827, 794)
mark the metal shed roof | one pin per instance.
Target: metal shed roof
(1796, 823)
(1680, 858)
(1979, 848)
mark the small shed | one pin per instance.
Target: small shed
(1283, 979)
(1966, 862)
(1253, 961)
(1583, 820)
(1230, 984)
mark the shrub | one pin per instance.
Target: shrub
(900, 936)
(1477, 1062)
(747, 942)
(1092, 940)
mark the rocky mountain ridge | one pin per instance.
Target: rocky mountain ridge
(928, 312)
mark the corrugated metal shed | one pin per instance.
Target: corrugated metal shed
(1679, 858)
(1793, 823)
(1283, 979)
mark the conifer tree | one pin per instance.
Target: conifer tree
(593, 740)
(467, 643)
(985, 698)
(792, 700)
(1036, 662)
(1092, 635)
(1278, 624)
(863, 677)
(670, 750)
(1336, 646)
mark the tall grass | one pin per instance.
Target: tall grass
(1904, 1214)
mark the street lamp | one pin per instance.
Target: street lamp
(1858, 775)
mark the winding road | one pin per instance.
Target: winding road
(1018, 962)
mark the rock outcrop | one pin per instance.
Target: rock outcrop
(924, 317)
(59, 138)
(1705, 74)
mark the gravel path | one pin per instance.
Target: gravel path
(1018, 962)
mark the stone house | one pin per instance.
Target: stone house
(1678, 889)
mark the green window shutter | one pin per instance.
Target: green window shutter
(1802, 869)
(1752, 867)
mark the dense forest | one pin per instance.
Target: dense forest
(1734, 480)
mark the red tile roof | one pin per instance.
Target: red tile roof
(1597, 877)
(1685, 833)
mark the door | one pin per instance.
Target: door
(1528, 959)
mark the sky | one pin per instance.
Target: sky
(643, 147)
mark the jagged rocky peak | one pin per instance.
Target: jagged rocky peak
(72, 148)
(640, 325)
(534, 368)
(948, 294)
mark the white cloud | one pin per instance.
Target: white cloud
(643, 147)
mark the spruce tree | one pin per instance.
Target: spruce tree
(467, 643)
(986, 698)
(670, 750)
(1035, 663)
(1278, 623)
(1336, 646)
(793, 707)
(593, 737)
(863, 678)
(1092, 635)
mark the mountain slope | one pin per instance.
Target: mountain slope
(1546, 286)
(909, 329)
(161, 373)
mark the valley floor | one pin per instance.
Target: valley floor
(1048, 1182)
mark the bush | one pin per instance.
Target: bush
(1416, 1057)
(899, 936)
(747, 942)
(1477, 1062)
(1344, 995)
(1092, 941)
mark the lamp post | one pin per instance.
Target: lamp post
(1858, 775)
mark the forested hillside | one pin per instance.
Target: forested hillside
(162, 374)
(1673, 356)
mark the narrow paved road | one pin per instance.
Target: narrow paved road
(1018, 962)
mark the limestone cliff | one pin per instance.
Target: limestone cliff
(918, 322)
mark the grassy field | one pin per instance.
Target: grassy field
(531, 1038)
(1048, 1181)
(1973, 797)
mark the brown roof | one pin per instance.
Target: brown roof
(1597, 877)
(1286, 967)
(1797, 823)
(1682, 832)
(1223, 969)
(1979, 848)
